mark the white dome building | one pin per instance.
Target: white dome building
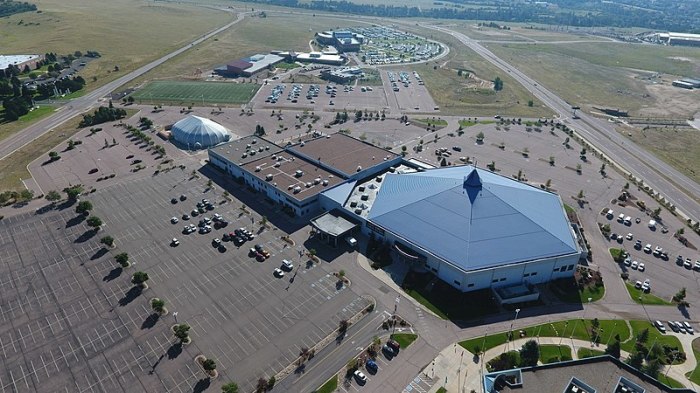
(194, 132)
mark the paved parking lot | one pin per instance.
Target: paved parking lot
(343, 100)
(71, 320)
(412, 98)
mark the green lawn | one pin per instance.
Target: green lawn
(694, 375)
(469, 123)
(572, 328)
(616, 253)
(287, 66)
(187, 93)
(441, 390)
(588, 353)
(435, 122)
(554, 353)
(9, 128)
(404, 339)
(567, 291)
(654, 337)
(646, 298)
(670, 382)
(447, 302)
(330, 386)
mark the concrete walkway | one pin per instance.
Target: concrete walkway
(458, 370)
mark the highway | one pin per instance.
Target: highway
(669, 182)
(90, 100)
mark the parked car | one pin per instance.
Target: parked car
(173, 200)
(371, 366)
(634, 265)
(360, 377)
(174, 220)
(630, 236)
(388, 351)
(673, 326)
(660, 326)
(647, 248)
(278, 272)
(175, 242)
(638, 284)
(646, 286)
(641, 267)
(638, 244)
(394, 345)
(185, 217)
(287, 264)
(688, 328)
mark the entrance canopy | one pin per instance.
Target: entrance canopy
(332, 224)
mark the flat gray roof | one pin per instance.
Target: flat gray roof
(6, 60)
(241, 150)
(333, 224)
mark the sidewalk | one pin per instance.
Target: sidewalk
(458, 370)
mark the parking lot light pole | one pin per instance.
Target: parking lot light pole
(510, 331)
(611, 332)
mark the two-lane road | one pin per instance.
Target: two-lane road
(88, 101)
(677, 188)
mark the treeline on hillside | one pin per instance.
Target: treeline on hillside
(596, 14)
(102, 115)
(8, 7)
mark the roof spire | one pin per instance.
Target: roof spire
(473, 179)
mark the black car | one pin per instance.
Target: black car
(183, 197)
(173, 201)
(258, 248)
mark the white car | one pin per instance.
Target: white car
(360, 376)
(630, 236)
(688, 328)
(680, 326)
(175, 242)
(647, 248)
(287, 264)
(634, 265)
(278, 272)
(628, 261)
(641, 267)
(646, 286)
(660, 326)
(174, 220)
(638, 285)
(697, 265)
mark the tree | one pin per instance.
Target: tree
(656, 213)
(158, 305)
(26, 195)
(679, 297)
(182, 332)
(529, 353)
(107, 241)
(580, 194)
(480, 137)
(83, 207)
(551, 160)
(530, 103)
(261, 386)
(498, 84)
(209, 365)
(122, 259)
(643, 336)
(341, 273)
(343, 325)
(73, 192)
(548, 183)
(52, 196)
(94, 222)
(635, 360)
(139, 278)
(271, 382)
(652, 368)
(53, 156)
(613, 349)
(230, 387)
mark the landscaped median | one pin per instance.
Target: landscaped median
(330, 386)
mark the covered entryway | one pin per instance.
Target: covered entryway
(331, 226)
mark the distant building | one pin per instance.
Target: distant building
(20, 61)
(683, 84)
(694, 82)
(250, 65)
(603, 374)
(194, 133)
(683, 39)
(343, 41)
(342, 75)
(320, 58)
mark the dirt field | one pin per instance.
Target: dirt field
(611, 75)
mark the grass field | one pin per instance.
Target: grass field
(588, 353)
(646, 298)
(404, 339)
(654, 336)
(670, 382)
(330, 386)
(572, 328)
(554, 353)
(121, 30)
(186, 93)
(455, 96)
(680, 148)
(9, 128)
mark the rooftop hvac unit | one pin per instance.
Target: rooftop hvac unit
(372, 186)
(359, 168)
(301, 144)
(325, 182)
(261, 149)
(353, 203)
(244, 155)
(254, 141)
(392, 169)
(379, 179)
(358, 211)
(274, 184)
(317, 180)
(247, 146)
(252, 153)
(277, 165)
(257, 169)
(267, 147)
(274, 156)
(290, 187)
(298, 173)
(268, 177)
(297, 189)
(280, 158)
(308, 184)
(361, 188)
(364, 197)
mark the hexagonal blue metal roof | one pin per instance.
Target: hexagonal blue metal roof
(473, 218)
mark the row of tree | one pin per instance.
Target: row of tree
(8, 7)
(102, 115)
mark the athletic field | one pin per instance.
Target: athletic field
(187, 93)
